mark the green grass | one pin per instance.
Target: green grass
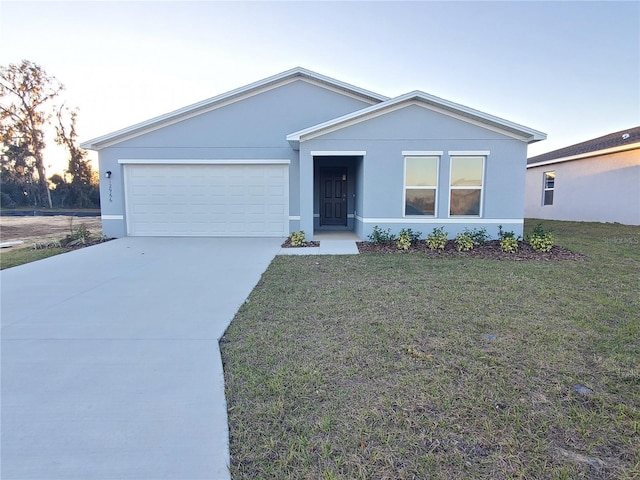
(407, 366)
(20, 256)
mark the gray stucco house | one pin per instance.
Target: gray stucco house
(595, 181)
(301, 151)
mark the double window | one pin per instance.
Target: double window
(465, 184)
(549, 184)
(466, 180)
(420, 185)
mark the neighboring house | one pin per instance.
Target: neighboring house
(301, 151)
(593, 181)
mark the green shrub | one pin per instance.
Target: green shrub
(543, 243)
(406, 238)
(437, 239)
(541, 240)
(478, 235)
(381, 236)
(464, 242)
(508, 241)
(297, 239)
(403, 242)
(78, 236)
(509, 244)
(414, 236)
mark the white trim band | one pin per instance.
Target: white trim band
(203, 161)
(112, 217)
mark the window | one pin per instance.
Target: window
(465, 195)
(420, 185)
(548, 187)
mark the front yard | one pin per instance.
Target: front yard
(393, 366)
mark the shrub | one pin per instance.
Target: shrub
(541, 240)
(297, 239)
(464, 242)
(403, 242)
(478, 235)
(437, 239)
(509, 244)
(406, 238)
(508, 241)
(78, 236)
(381, 236)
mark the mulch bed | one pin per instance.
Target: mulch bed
(490, 249)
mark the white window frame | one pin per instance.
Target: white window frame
(420, 154)
(546, 189)
(482, 155)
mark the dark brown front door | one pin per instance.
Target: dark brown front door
(333, 196)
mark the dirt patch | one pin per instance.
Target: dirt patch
(490, 249)
(32, 230)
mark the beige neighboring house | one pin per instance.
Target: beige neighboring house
(593, 181)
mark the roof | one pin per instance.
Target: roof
(230, 97)
(426, 100)
(613, 142)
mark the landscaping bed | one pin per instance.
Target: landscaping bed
(490, 249)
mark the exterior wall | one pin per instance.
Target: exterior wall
(597, 189)
(253, 128)
(380, 182)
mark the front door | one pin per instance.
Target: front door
(333, 196)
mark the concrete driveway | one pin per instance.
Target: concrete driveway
(110, 359)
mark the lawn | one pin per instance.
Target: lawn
(408, 366)
(20, 256)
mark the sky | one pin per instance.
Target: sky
(570, 69)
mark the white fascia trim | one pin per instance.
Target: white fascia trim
(294, 217)
(232, 96)
(476, 220)
(203, 161)
(430, 102)
(422, 153)
(467, 153)
(596, 153)
(337, 153)
(112, 217)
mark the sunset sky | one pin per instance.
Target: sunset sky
(570, 69)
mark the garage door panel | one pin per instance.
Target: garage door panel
(207, 200)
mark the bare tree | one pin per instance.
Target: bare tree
(25, 91)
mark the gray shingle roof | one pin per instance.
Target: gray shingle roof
(612, 140)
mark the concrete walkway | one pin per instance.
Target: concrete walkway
(110, 359)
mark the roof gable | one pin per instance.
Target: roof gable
(295, 74)
(613, 142)
(426, 101)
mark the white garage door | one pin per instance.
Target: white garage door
(207, 200)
